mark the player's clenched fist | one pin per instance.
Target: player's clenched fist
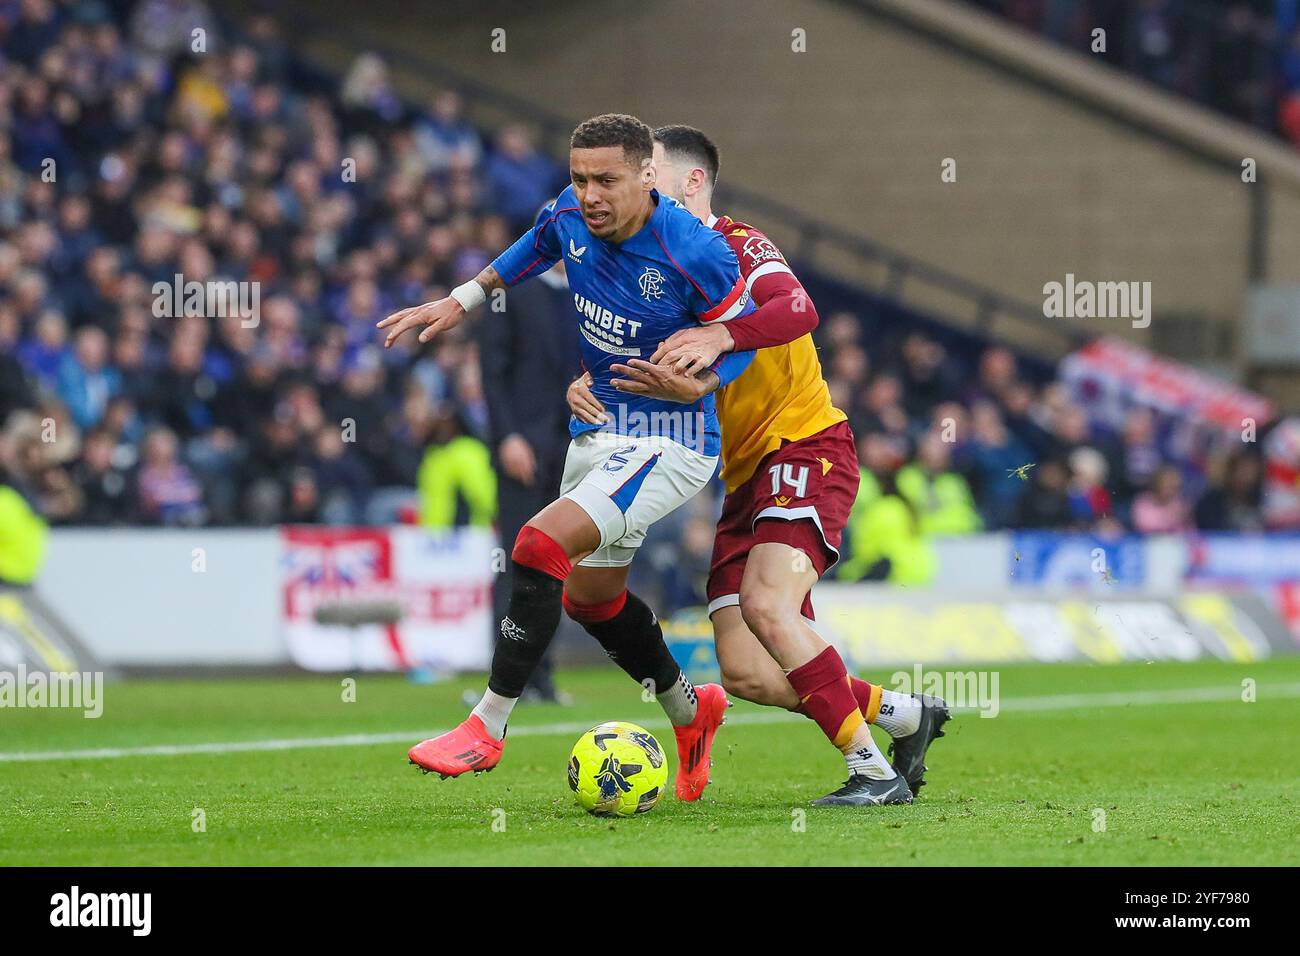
(435, 316)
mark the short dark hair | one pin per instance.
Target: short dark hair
(690, 143)
(615, 129)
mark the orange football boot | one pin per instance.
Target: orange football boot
(695, 740)
(468, 747)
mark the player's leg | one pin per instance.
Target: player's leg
(750, 673)
(541, 559)
(598, 599)
(748, 670)
(777, 579)
(563, 532)
(517, 505)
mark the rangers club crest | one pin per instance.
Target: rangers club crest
(652, 284)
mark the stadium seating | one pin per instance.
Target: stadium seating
(235, 166)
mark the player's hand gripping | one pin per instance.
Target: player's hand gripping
(693, 350)
(585, 405)
(440, 316)
(661, 382)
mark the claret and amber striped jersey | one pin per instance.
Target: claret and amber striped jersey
(783, 395)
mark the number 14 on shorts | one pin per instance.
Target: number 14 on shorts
(786, 474)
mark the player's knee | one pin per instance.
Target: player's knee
(538, 550)
(767, 614)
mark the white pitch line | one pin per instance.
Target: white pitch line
(343, 740)
(1187, 695)
(1178, 695)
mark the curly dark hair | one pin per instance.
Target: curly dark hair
(616, 129)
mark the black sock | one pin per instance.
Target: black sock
(526, 630)
(633, 640)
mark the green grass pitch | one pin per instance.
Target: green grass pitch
(1183, 770)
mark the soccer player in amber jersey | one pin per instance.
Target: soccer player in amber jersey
(791, 473)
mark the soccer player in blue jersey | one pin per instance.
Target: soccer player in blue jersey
(640, 267)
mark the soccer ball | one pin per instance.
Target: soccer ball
(617, 769)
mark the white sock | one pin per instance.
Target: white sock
(494, 711)
(864, 757)
(900, 714)
(679, 701)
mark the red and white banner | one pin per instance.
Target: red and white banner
(1113, 375)
(1282, 476)
(437, 584)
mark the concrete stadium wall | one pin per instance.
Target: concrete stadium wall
(854, 131)
(137, 600)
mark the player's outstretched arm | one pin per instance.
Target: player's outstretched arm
(444, 314)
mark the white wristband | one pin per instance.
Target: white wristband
(470, 295)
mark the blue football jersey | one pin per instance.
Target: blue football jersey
(630, 296)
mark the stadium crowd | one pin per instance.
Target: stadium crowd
(126, 160)
(1240, 57)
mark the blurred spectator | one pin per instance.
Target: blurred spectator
(369, 100)
(105, 488)
(444, 137)
(85, 380)
(1021, 411)
(1139, 455)
(996, 455)
(519, 178)
(1233, 500)
(1154, 41)
(1162, 509)
(925, 376)
(341, 481)
(884, 538)
(997, 373)
(23, 531)
(1046, 502)
(1090, 502)
(940, 497)
(169, 493)
(880, 409)
(44, 353)
(457, 485)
